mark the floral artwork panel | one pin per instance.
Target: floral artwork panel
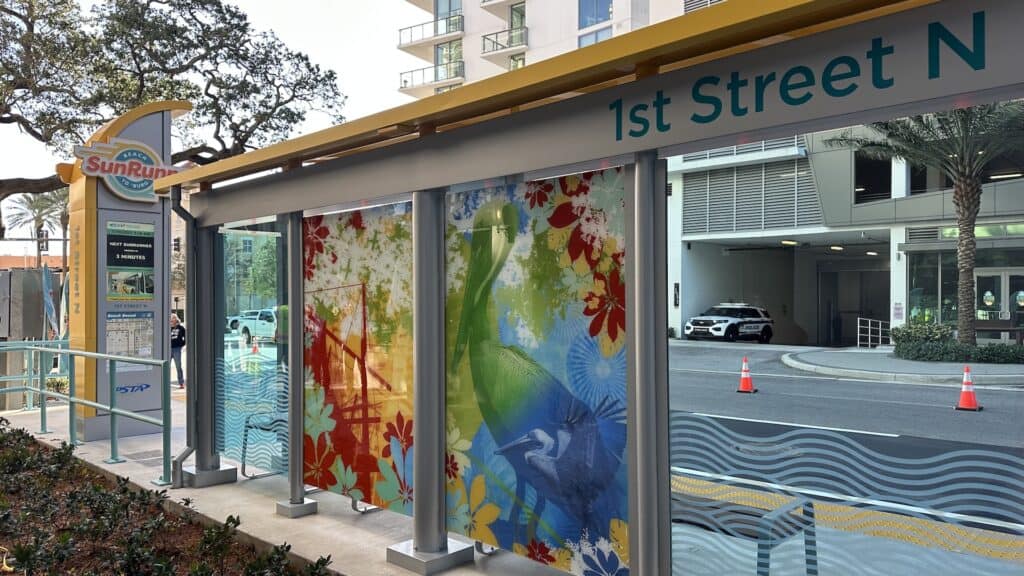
(536, 360)
(358, 415)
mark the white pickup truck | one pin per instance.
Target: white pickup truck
(258, 324)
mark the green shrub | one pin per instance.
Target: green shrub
(952, 351)
(921, 333)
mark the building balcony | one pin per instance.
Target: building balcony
(498, 7)
(498, 45)
(425, 81)
(426, 5)
(419, 40)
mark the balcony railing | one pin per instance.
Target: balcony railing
(505, 39)
(432, 74)
(432, 29)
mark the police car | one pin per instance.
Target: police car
(730, 322)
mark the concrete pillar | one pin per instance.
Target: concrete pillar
(675, 255)
(900, 178)
(897, 277)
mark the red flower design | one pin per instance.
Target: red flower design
(355, 221)
(451, 467)
(540, 552)
(314, 233)
(539, 192)
(576, 184)
(607, 302)
(317, 460)
(567, 214)
(401, 429)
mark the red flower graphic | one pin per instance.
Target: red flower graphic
(539, 192)
(317, 460)
(451, 467)
(400, 429)
(355, 221)
(606, 302)
(568, 214)
(576, 184)
(314, 233)
(540, 552)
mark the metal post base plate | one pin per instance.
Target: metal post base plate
(289, 510)
(405, 555)
(203, 478)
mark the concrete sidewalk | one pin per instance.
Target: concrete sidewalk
(356, 543)
(881, 365)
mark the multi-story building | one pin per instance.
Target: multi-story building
(462, 41)
(820, 236)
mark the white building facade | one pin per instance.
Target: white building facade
(818, 235)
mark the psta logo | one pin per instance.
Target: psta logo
(127, 167)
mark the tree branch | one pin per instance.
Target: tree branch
(10, 186)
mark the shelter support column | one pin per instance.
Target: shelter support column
(430, 550)
(647, 421)
(205, 336)
(297, 504)
(897, 277)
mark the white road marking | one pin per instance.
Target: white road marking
(868, 432)
(1004, 388)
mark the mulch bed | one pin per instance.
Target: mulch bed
(57, 516)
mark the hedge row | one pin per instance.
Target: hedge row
(953, 351)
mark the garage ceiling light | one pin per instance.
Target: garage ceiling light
(859, 189)
(836, 248)
(1005, 176)
(790, 243)
(871, 253)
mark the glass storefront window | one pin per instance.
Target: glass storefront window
(947, 292)
(923, 288)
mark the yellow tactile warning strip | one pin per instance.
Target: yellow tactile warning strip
(918, 531)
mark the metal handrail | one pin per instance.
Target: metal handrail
(164, 422)
(872, 333)
(432, 29)
(504, 39)
(431, 74)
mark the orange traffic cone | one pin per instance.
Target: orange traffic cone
(967, 399)
(255, 347)
(746, 382)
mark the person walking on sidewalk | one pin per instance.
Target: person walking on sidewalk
(177, 343)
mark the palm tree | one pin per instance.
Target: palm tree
(35, 211)
(59, 216)
(959, 143)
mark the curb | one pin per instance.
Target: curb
(896, 377)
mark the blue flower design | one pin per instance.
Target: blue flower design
(600, 564)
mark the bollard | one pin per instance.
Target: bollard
(112, 382)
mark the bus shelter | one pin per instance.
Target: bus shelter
(456, 309)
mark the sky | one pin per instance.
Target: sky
(356, 39)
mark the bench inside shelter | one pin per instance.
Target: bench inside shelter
(768, 528)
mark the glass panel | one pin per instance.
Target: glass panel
(948, 294)
(445, 57)
(923, 284)
(517, 16)
(252, 376)
(537, 370)
(594, 12)
(358, 355)
(516, 61)
(1017, 299)
(989, 303)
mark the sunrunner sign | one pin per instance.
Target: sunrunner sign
(127, 167)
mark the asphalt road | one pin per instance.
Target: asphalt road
(703, 379)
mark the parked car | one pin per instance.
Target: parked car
(258, 324)
(731, 321)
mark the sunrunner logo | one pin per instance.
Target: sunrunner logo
(128, 167)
